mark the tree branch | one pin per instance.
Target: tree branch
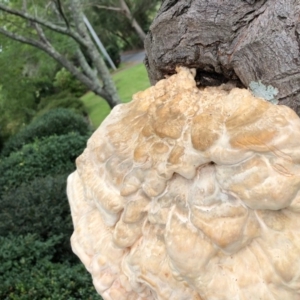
(63, 30)
(57, 3)
(108, 84)
(22, 39)
(124, 9)
(24, 6)
(132, 20)
(85, 66)
(50, 50)
(90, 73)
(41, 34)
(109, 8)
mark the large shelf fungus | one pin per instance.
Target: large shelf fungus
(191, 194)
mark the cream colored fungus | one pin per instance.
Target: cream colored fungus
(189, 194)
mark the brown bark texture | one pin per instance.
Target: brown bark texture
(239, 41)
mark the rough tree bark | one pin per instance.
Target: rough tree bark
(229, 40)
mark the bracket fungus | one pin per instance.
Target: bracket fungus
(191, 194)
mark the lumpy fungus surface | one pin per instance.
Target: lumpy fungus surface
(189, 194)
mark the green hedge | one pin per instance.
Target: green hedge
(40, 207)
(36, 261)
(49, 156)
(59, 121)
(28, 272)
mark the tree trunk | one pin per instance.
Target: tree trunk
(242, 41)
(108, 87)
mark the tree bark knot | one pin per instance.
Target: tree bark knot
(237, 41)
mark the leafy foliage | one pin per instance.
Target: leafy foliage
(48, 156)
(28, 272)
(35, 222)
(65, 81)
(59, 121)
(39, 207)
(61, 100)
(36, 261)
(26, 75)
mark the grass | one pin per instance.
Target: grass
(128, 82)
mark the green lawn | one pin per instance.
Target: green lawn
(128, 82)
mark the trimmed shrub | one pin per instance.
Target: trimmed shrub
(40, 207)
(48, 156)
(59, 121)
(27, 272)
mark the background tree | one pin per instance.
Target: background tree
(23, 81)
(124, 28)
(121, 7)
(239, 41)
(31, 84)
(30, 24)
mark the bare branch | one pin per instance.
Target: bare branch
(109, 8)
(57, 56)
(124, 9)
(63, 30)
(93, 76)
(24, 7)
(57, 3)
(41, 34)
(85, 66)
(22, 39)
(98, 62)
(59, 21)
(132, 20)
(48, 5)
